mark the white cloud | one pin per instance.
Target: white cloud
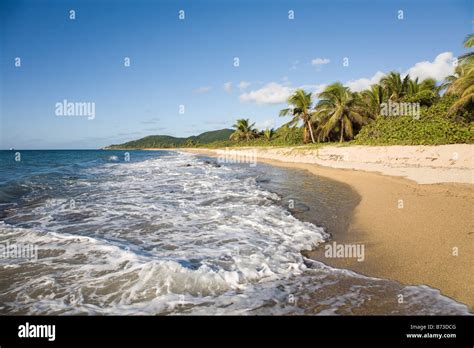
(265, 124)
(204, 89)
(364, 83)
(320, 61)
(243, 85)
(276, 93)
(271, 93)
(228, 86)
(438, 69)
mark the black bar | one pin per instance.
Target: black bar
(287, 330)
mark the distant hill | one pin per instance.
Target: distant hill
(166, 141)
(209, 137)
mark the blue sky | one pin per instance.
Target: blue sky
(190, 62)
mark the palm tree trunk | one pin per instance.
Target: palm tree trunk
(311, 131)
(305, 135)
(342, 133)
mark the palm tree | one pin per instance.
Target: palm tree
(429, 84)
(465, 102)
(300, 108)
(243, 130)
(395, 87)
(425, 92)
(268, 133)
(373, 98)
(284, 131)
(462, 85)
(462, 82)
(468, 43)
(466, 62)
(339, 108)
(415, 87)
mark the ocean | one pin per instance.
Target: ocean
(168, 232)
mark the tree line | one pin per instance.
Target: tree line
(338, 114)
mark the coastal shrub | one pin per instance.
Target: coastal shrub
(434, 127)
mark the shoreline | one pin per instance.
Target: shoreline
(413, 244)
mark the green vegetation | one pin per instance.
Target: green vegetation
(165, 141)
(437, 114)
(300, 110)
(462, 83)
(243, 131)
(433, 128)
(283, 136)
(338, 111)
(268, 134)
(361, 118)
(209, 137)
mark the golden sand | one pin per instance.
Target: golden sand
(412, 233)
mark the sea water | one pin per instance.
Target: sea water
(167, 232)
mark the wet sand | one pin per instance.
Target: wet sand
(412, 233)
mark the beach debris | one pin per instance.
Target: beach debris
(211, 163)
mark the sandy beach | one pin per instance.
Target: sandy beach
(415, 217)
